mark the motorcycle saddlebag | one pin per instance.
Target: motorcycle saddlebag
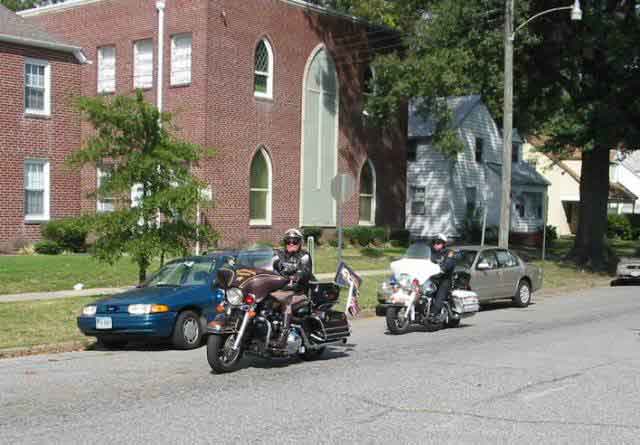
(329, 326)
(465, 302)
(323, 293)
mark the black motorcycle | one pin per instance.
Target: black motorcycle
(250, 319)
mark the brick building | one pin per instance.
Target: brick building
(277, 87)
(39, 77)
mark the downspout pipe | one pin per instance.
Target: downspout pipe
(160, 5)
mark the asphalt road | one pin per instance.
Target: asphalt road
(565, 370)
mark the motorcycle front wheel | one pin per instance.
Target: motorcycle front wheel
(220, 354)
(397, 320)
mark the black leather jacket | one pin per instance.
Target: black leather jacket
(295, 266)
(447, 263)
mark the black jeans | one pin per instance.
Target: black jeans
(441, 295)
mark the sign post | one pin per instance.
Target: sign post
(342, 188)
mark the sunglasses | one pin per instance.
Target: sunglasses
(294, 242)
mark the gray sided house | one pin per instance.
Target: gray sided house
(442, 192)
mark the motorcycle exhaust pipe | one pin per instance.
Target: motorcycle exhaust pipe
(268, 323)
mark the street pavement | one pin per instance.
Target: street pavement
(564, 370)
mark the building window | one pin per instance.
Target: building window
(471, 194)
(143, 64)
(263, 72)
(260, 189)
(37, 87)
(479, 148)
(412, 150)
(181, 59)
(105, 203)
(107, 69)
(367, 194)
(36, 190)
(533, 204)
(515, 153)
(418, 200)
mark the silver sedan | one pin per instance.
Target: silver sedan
(499, 274)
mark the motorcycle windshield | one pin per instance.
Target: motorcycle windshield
(420, 269)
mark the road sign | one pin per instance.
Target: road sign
(343, 186)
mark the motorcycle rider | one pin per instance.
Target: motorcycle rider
(445, 259)
(292, 262)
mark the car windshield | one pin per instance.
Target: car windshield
(420, 250)
(465, 258)
(184, 273)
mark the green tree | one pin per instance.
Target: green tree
(132, 142)
(19, 5)
(575, 83)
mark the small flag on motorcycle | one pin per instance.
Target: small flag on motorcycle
(346, 277)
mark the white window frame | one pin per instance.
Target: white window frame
(267, 221)
(101, 201)
(46, 191)
(269, 73)
(141, 80)
(106, 74)
(414, 189)
(371, 222)
(181, 75)
(47, 87)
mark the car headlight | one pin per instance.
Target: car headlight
(235, 296)
(89, 310)
(143, 309)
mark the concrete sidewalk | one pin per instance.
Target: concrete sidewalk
(31, 296)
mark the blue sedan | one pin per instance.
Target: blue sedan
(171, 305)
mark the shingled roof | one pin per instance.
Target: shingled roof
(14, 29)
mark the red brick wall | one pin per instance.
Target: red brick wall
(24, 137)
(219, 109)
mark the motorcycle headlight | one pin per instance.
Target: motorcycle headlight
(89, 310)
(235, 296)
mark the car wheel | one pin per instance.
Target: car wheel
(111, 342)
(522, 297)
(187, 332)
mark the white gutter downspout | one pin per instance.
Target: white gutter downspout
(160, 4)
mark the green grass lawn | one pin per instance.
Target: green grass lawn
(44, 322)
(39, 273)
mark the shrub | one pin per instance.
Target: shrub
(551, 234)
(372, 252)
(379, 235)
(47, 247)
(619, 226)
(315, 232)
(333, 242)
(363, 235)
(69, 234)
(400, 237)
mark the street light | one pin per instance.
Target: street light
(509, 36)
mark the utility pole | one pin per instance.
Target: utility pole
(505, 200)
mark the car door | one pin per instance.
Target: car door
(511, 272)
(486, 282)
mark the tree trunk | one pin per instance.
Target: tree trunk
(590, 247)
(143, 264)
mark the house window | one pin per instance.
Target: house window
(367, 194)
(412, 150)
(36, 190)
(105, 203)
(37, 87)
(470, 193)
(107, 69)
(260, 189)
(515, 153)
(533, 204)
(263, 70)
(479, 147)
(418, 200)
(143, 64)
(181, 59)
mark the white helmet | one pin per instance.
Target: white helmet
(292, 234)
(440, 237)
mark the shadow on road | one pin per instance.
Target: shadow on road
(146, 345)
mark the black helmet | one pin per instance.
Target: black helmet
(292, 235)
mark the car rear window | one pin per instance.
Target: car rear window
(465, 258)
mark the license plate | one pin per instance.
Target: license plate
(103, 323)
